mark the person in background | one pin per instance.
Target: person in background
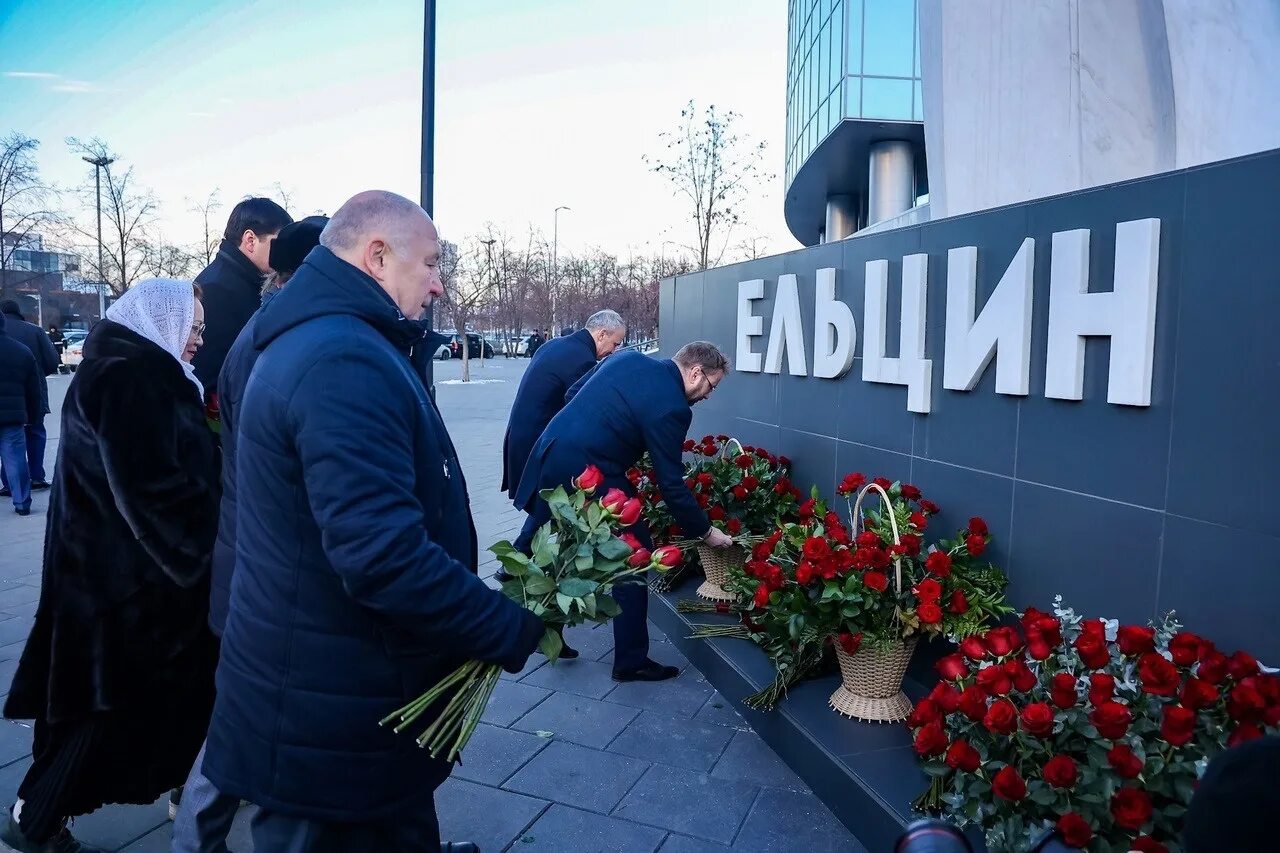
(20, 405)
(233, 284)
(355, 585)
(202, 815)
(118, 669)
(33, 338)
(627, 405)
(55, 336)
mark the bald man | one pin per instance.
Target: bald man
(355, 586)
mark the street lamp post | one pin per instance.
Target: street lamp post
(99, 163)
(555, 269)
(488, 262)
(427, 150)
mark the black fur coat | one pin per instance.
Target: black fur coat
(121, 626)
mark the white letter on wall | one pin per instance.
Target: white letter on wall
(749, 325)
(786, 320)
(1003, 329)
(910, 368)
(1127, 314)
(834, 330)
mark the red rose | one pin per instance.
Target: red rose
(1131, 808)
(978, 527)
(918, 521)
(931, 740)
(938, 563)
(868, 539)
(1063, 690)
(876, 580)
(1111, 719)
(850, 643)
(959, 604)
(1242, 665)
(739, 492)
(1037, 719)
(1008, 785)
(750, 483)
(910, 492)
(1158, 676)
(851, 483)
(806, 509)
(952, 667)
(722, 438)
(973, 648)
(630, 512)
(668, 556)
(1039, 649)
(1178, 725)
(925, 712)
(1002, 641)
(883, 483)
(1244, 733)
(1124, 761)
(689, 444)
(1001, 717)
(708, 450)
(1185, 648)
(1075, 830)
(762, 596)
(816, 548)
(804, 574)
(946, 696)
(613, 500)
(641, 557)
(1135, 641)
(929, 506)
(1093, 651)
(716, 513)
(631, 542)
(930, 614)
(928, 590)
(704, 479)
(910, 544)
(1213, 666)
(879, 558)
(1045, 627)
(734, 526)
(1102, 688)
(1245, 703)
(963, 757)
(976, 545)
(589, 479)
(1197, 694)
(1147, 844)
(973, 703)
(994, 680)
(1060, 771)
(1024, 680)
(1094, 628)
(744, 461)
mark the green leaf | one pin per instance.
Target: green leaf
(1044, 796)
(577, 587)
(937, 770)
(544, 734)
(614, 549)
(551, 644)
(515, 563)
(589, 605)
(543, 551)
(594, 514)
(565, 603)
(584, 562)
(607, 607)
(538, 584)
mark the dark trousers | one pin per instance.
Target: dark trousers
(35, 440)
(631, 626)
(414, 832)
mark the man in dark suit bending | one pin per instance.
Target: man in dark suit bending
(624, 406)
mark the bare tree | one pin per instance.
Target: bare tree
(127, 213)
(27, 203)
(714, 169)
(467, 289)
(165, 260)
(212, 238)
(755, 246)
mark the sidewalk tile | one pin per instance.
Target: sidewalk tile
(494, 753)
(749, 757)
(562, 829)
(577, 719)
(677, 741)
(490, 818)
(689, 803)
(510, 701)
(577, 776)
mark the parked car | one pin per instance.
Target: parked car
(73, 352)
(443, 353)
(473, 345)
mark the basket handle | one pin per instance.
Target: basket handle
(725, 447)
(893, 524)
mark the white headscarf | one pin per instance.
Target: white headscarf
(162, 310)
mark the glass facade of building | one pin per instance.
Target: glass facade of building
(848, 59)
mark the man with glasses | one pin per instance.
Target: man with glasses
(626, 405)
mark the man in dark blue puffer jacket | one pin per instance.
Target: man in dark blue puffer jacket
(355, 586)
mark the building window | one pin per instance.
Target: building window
(853, 37)
(889, 99)
(853, 97)
(890, 38)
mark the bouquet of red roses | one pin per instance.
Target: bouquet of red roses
(578, 558)
(1097, 729)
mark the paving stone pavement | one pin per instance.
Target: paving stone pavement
(566, 759)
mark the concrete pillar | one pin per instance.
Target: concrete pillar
(842, 217)
(891, 186)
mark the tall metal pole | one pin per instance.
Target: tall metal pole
(98, 164)
(488, 255)
(427, 158)
(555, 267)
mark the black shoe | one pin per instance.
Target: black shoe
(651, 671)
(20, 511)
(175, 801)
(39, 485)
(502, 576)
(6, 492)
(13, 839)
(458, 847)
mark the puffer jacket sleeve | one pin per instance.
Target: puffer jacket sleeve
(354, 427)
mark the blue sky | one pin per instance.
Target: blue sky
(540, 102)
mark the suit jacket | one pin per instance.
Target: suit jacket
(556, 366)
(628, 404)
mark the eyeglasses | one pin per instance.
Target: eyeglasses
(198, 330)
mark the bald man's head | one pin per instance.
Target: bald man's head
(392, 240)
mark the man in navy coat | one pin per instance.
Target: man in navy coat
(354, 587)
(624, 406)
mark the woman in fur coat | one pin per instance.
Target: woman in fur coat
(118, 670)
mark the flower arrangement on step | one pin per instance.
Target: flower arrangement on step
(1097, 729)
(578, 558)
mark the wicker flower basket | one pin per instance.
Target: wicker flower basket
(871, 679)
(715, 564)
